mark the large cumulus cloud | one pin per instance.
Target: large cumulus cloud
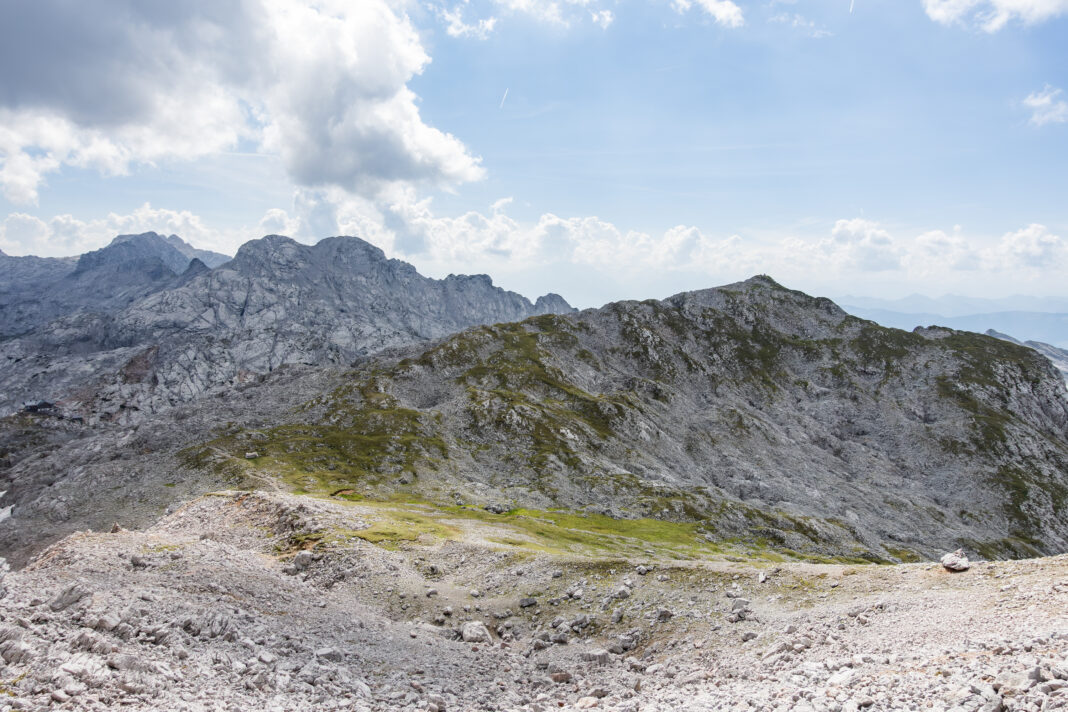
(323, 84)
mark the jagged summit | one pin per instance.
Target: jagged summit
(552, 303)
(277, 302)
(35, 291)
(208, 257)
(144, 253)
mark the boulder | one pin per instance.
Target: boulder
(475, 632)
(956, 561)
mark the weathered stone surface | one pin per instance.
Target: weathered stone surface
(956, 561)
(475, 632)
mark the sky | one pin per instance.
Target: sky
(601, 149)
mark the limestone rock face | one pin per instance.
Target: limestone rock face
(35, 290)
(277, 303)
(1057, 356)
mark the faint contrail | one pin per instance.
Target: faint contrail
(851, 3)
(503, 98)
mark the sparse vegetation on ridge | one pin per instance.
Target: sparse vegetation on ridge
(565, 411)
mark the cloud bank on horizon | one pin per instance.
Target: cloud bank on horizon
(687, 141)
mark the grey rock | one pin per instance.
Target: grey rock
(35, 291)
(598, 656)
(956, 561)
(277, 302)
(69, 596)
(475, 632)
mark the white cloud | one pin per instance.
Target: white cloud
(861, 245)
(590, 258)
(724, 12)
(992, 15)
(19, 230)
(406, 225)
(800, 22)
(1046, 107)
(456, 26)
(323, 85)
(64, 235)
(1031, 247)
(549, 11)
(604, 18)
(563, 13)
(936, 251)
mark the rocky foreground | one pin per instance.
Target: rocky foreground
(263, 601)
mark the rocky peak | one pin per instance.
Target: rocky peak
(283, 257)
(267, 253)
(208, 257)
(277, 302)
(128, 253)
(37, 290)
(194, 270)
(761, 302)
(552, 303)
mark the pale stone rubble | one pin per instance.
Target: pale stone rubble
(213, 610)
(956, 561)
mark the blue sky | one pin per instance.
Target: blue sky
(642, 147)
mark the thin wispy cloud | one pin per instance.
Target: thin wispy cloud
(724, 12)
(456, 27)
(603, 18)
(802, 23)
(1047, 107)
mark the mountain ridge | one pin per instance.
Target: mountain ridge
(743, 407)
(35, 291)
(758, 415)
(277, 302)
(208, 257)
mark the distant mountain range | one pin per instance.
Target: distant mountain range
(952, 305)
(146, 323)
(37, 290)
(1042, 319)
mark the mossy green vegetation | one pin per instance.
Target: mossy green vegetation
(885, 348)
(557, 532)
(401, 526)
